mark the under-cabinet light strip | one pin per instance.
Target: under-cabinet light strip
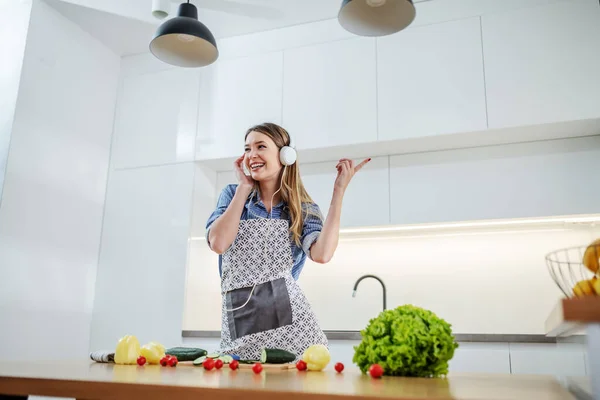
(451, 225)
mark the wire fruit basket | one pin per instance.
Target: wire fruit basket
(575, 270)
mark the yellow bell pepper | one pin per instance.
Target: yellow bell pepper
(316, 357)
(128, 350)
(153, 352)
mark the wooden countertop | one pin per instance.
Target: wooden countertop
(90, 380)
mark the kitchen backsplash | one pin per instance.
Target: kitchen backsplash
(485, 279)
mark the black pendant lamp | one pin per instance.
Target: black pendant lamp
(376, 17)
(184, 41)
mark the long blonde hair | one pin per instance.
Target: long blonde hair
(292, 189)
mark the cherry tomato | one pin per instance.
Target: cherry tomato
(257, 368)
(218, 364)
(164, 361)
(172, 361)
(301, 365)
(234, 364)
(208, 364)
(376, 371)
(141, 360)
(339, 367)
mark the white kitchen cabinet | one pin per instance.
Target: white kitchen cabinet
(366, 201)
(329, 93)
(542, 63)
(156, 119)
(140, 282)
(224, 178)
(205, 184)
(236, 94)
(430, 81)
(208, 186)
(489, 358)
(511, 181)
(547, 359)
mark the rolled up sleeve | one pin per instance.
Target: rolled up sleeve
(222, 203)
(313, 224)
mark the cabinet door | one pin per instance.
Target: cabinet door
(234, 95)
(547, 359)
(142, 264)
(366, 202)
(329, 93)
(513, 181)
(430, 80)
(156, 119)
(490, 358)
(542, 63)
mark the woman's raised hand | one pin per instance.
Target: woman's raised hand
(346, 170)
(242, 178)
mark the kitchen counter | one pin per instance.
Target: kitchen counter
(90, 380)
(460, 337)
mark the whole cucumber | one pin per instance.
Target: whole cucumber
(186, 353)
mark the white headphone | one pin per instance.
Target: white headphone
(287, 154)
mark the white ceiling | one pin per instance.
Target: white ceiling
(126, 26)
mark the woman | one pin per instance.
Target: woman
(263, 229)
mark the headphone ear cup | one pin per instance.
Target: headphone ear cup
(287, 155)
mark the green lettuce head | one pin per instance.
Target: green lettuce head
(406, 341)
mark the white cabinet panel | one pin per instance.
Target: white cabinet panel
(547, 359)
(141, 273)
(522, 180)
(490, 358)
(236, 94)
(205, 182)
(223, 179)
(208, 186)
(156, 119)
(202, 305)
(430, 80)
(329, 93)
(542, 63)
(366, 201)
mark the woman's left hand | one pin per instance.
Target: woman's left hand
(346, 170)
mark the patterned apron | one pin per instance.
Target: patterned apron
(262, 304)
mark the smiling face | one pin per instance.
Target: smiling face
(262, 157)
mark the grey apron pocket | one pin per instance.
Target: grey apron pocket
(268, 308)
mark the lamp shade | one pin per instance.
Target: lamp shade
(184, 41)
(376, 17)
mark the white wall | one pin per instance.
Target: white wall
(14, 22)
(52, 208)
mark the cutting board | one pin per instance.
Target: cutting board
(268, 366)
(248, 366)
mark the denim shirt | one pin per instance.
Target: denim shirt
(254, 208)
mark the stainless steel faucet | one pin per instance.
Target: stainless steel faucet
(374, 277)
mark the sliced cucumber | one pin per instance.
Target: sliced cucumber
(276, 356)
(226, 359)
(213, 355)
(199, 360)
